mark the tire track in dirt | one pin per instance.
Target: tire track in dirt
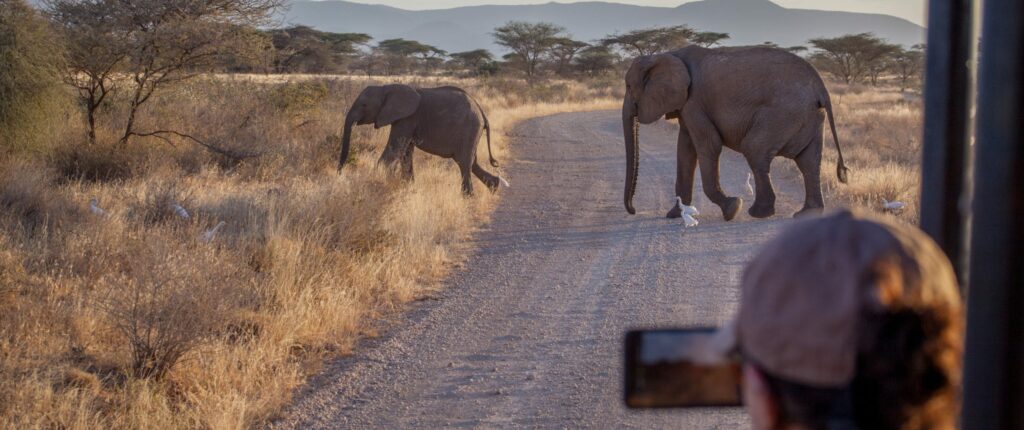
(529, 334)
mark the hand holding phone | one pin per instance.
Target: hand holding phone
(680, 368)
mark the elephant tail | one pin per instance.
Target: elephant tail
(487, 129)
(841, 170)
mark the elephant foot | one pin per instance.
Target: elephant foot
(676, 212)
(731, 208)
(762, 211)
(809, 212)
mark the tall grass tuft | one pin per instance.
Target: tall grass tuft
(31, 97)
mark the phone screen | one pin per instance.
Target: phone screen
(661, 371)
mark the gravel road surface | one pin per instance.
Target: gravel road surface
(529, 333)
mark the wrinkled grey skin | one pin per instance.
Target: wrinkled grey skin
(443, 121)
(760, 102)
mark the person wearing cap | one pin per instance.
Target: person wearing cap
(850, 322)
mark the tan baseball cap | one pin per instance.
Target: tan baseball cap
(805, 294)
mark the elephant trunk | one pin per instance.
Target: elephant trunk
(630, 128)
(346, 138)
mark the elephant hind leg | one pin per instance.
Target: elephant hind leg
(809, 163)
(764, 192)
(486, 177)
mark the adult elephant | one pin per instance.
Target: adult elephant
(443, 121)
(759, 101)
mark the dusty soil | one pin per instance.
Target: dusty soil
(529, 333)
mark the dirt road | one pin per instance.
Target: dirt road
(529, 335)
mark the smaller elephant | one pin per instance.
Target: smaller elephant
(443, 121)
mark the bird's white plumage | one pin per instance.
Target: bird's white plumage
(180, 211)
(893, 206)
(211, 234)
(686, 209)
(94, 207)
(750, 186)
(690, 221)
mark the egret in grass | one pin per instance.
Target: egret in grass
(94, 207)
(211, 234)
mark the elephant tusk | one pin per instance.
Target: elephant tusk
(504, 182)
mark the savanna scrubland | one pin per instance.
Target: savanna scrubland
(131, 315)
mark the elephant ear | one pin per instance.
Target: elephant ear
(662, 84)
(400, 101)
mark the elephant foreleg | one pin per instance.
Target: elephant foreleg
(465, 168)
(708, 144)
(686, 165)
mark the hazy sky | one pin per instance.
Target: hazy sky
(913, 10)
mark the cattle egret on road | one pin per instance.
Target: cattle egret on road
(96, 209)
(893, 206)
(750, 187)
(687, 209)
(689, 220)
(210, 234)
(180, 211)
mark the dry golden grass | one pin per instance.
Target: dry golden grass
(95, 309)
(880, 130)
(132, 320)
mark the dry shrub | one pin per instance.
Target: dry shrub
(140, 319)
(166, 298)
(29, 198)
(880, 130)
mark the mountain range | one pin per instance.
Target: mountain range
(465, 28)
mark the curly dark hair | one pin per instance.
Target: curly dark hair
(908, 354)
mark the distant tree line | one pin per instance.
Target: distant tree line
(137, 48)
(535, 49)
(545, 49)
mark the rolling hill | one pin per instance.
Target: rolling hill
(465, 28)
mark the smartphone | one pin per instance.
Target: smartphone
(662, 370)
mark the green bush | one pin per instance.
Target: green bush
(31, 93)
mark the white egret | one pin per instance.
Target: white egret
(180, 211)
(686, 209)
(893, 206)
(689, 220)
(210, 234)
(96, 209)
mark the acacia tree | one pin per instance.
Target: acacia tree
(708, 39)
(562, 53)
(400, 54)
(597, 60)
(155, 44)
(474, 60)
(304, 49)
(852, 57)
(650, 41)
(907, 64)
(528, 41)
